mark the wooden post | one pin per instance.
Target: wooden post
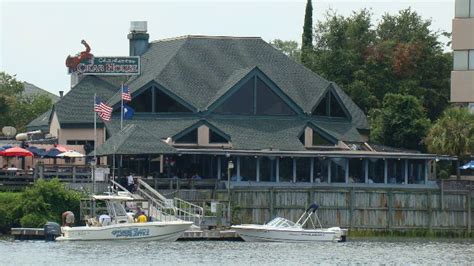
(311, 170)
(385, 171)
(346, 172)
(258, 170)
(469, 212)
(430, 210)
(441, 198)
(294, 170)
(390, 209)
(366, 166)
(277, 171)
(351, 206)
(271, 202)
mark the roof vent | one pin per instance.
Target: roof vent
(138, 26)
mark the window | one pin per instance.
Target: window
(464, 8)
(241, 102)
(303, 169)
(338, 170)
(254, 97)
(356, 171)
(463, 60)
(215, 137)
(189, 138)
(166, 104)
(329, 106)
(269, 103)
(248, 169)
(319, 140)
(143, 102)
(285, 172)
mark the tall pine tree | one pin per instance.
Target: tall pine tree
(307, 40)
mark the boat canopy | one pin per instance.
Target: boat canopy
(112, 198)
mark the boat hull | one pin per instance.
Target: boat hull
(158, 231)
(256, 233)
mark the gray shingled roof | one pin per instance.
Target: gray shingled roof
(77, 106)
(198, 69)
(134, 139)
(31, 89)
(245, 134)
(40, 123)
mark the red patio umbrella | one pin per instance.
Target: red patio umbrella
(16, 151)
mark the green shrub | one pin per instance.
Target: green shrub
(9, 212)
(443, 174)
(34, 220)
(49, 199)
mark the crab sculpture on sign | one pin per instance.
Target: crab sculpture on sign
(82, 57)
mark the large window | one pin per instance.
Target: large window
(321, 170)
(268, 169)
(248, 169)
(356, 171)
(216, 138)
(189, 138)
(416, 172)
(166, 104)
(376, 170)
(463, 60)
(143, 102)
(338, 170)
(395, 171)
(329, 106)
(303, 169)
(254, 97)
(241, 102)
(464, 9)
(286, 169)
(319, 140)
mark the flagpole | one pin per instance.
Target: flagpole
(121, 108)
(95, 155)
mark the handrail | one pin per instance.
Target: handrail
(149, 188)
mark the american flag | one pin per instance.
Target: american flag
(102, 109)
(126, 94)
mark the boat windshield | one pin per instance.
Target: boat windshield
(118, 208)
(281, 222)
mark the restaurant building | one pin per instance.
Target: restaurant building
(219, 107)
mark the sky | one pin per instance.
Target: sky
(37, 36)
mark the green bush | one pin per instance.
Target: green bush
(34, 220)
(49, 199)
(443, 174)
(9, 212)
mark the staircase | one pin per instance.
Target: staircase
(162, 208)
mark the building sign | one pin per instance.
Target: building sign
(110, 66)
(86, 63)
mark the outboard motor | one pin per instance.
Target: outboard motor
(51, 231)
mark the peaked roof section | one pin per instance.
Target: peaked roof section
(31, 89)
(200, 68)
(76, 107)
(133, 139)
(41, 122)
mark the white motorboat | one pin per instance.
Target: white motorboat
(282, 230)
(121, 226)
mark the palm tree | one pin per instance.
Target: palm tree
(453, 134)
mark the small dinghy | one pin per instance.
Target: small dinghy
(282, 230)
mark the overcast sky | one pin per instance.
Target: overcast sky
(37, 36)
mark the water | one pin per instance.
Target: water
(372, 251)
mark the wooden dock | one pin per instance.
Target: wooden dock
(192, 235)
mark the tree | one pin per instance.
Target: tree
(453, 134)
(307, 38)
(399, 55)
(16, 109)
(401, 122)
(290, 48)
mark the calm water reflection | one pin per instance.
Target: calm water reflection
(395, 251)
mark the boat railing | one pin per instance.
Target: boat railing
(188, 211)
(180, 208)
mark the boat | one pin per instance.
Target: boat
(121, 226)
(283, 230)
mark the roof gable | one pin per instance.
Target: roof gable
(78, 104)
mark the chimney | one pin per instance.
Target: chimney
(61, 94)
(138, 37)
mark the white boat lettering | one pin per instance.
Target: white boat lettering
(132, 232)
